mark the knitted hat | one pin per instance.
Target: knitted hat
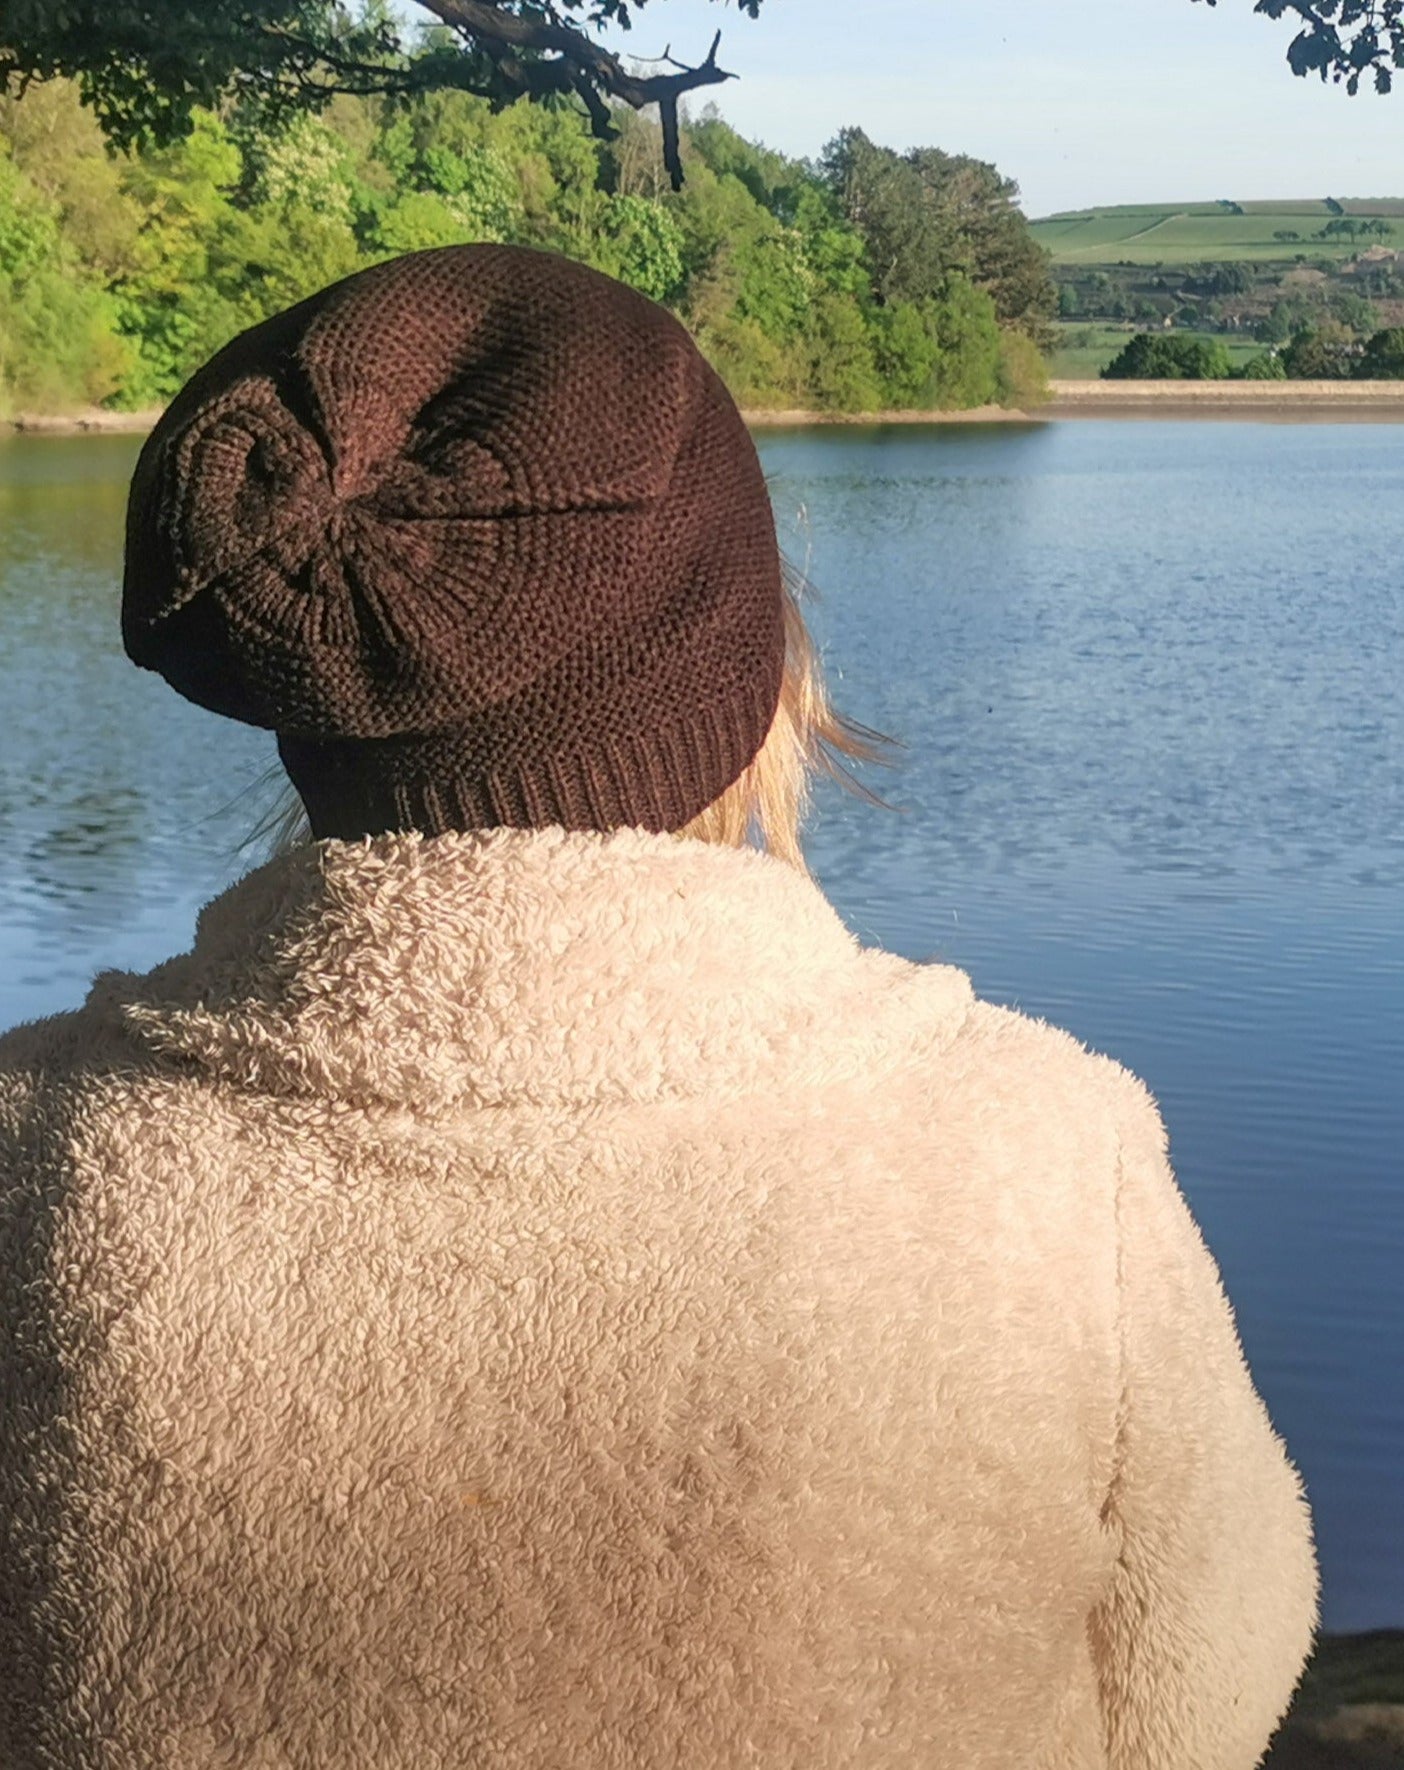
(481, 536)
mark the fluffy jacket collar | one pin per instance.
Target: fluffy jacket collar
(510, 967)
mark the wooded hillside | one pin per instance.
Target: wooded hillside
(865, 280)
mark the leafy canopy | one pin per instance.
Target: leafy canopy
(926, 216)
(1165, 357)
(121, 274)
(145, 66)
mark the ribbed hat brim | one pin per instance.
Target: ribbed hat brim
(657, 779)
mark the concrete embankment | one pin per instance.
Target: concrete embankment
(1284, 402)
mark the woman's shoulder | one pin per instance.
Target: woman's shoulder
(49, 1065)
(1022, 1076)
(34, 1053)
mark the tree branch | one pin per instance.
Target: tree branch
(1343, 39)
(580, 65)
(307, 55)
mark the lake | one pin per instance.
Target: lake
(1147, 680)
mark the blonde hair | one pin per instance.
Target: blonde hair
(766, 806)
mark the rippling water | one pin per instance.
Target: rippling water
(1147, 676)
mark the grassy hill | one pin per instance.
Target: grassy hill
(1247, 273)
(1222, 232)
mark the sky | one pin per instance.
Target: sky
(1081, 101)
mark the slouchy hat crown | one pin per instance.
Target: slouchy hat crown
(481, 536)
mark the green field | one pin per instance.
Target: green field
(1168, 233)
(1085, 348)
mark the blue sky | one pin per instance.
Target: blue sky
(1081, 101)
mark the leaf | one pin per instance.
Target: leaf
(1364, 51)
(1312, 52)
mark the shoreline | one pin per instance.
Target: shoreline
(1273, 402)
(88, 420)
(766, 418)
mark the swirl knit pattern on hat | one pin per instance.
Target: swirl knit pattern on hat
(481, 536)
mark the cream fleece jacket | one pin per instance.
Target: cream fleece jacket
(551, 1302)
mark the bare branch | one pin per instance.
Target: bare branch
(485, 21)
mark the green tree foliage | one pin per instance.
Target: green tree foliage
(1328, 351)
(1383, 356)
(911, 243)
(1165, 357)
(1355, 227)
(1331, 351)
(841, 368)
(998, 252)
(967, 334)
(1355, 311)
(120, 274)
(927, 216)
(1267, 365)
(641, 244)
(1286, 316)
(58, 330)
(148, 67)
(1023, 372)
(1218, 279)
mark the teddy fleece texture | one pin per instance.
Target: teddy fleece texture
(528, 1301)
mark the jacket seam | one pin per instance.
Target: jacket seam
(1109, 1516)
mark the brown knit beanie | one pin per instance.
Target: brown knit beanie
(481, 536)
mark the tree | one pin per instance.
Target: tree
(1355, 311)
(1343, 40)
(1325, 352)
(912, 243)
(927, 216)
(1383, 357)
(57, 324)
(146, 66)
(1289, 314)
(1265, 366)
(1162, 357)
(1001, 255)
